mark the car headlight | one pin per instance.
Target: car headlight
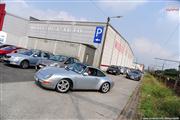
(132, 77)
(17, 58)
(54, 65)
(48, 76)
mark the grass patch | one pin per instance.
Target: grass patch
(157, 100)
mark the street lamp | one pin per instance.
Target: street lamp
(107, 24)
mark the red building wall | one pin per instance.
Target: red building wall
(2, 14)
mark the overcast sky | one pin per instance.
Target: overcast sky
(151, 28)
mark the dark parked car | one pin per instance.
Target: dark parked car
(134, 75)
(56, 60)
(113, 70)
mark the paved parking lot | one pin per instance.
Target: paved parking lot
(21, 98)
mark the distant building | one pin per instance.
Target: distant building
(138, 66)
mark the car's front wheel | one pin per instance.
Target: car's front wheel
(24, 64)
(63, 86)
(105, 87)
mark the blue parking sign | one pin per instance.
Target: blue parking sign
(98, 34)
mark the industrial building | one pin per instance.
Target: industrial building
(82, 40)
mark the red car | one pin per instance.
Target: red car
(8, 49)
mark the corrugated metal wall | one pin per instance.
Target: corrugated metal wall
(116, 51)
(56, 47)
(76, 50)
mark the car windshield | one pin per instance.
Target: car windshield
(59, 58)
(8, 48)
(27, 52)
(77, 67)
(135, 72)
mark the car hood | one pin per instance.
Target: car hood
(57, 71)
(17, 55)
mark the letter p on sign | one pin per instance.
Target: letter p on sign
(98, 34)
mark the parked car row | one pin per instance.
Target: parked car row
(130, 73)
(117, 70)
(37, 58)
(58, 72)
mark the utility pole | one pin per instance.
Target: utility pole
(178, 76)
(104, 41)
(163, 67)
(102, 50)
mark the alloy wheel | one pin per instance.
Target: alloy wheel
(63, 86)
(105, 87)
(24, 64)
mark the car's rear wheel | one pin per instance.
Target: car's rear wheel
(63, 86)
(24, 64)
(105, 87)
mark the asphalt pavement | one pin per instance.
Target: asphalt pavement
(21, 98)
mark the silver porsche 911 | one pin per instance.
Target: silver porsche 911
(75, 76)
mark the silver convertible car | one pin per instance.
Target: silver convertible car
(75, 76)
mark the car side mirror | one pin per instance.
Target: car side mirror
(35, 55)
(85, 74)
(66, 67)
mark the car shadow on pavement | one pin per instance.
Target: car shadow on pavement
(38, 85)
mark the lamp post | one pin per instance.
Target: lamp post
(107, 24)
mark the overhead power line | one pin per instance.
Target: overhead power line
(97, 7)
(168, 60)
(171, 34)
